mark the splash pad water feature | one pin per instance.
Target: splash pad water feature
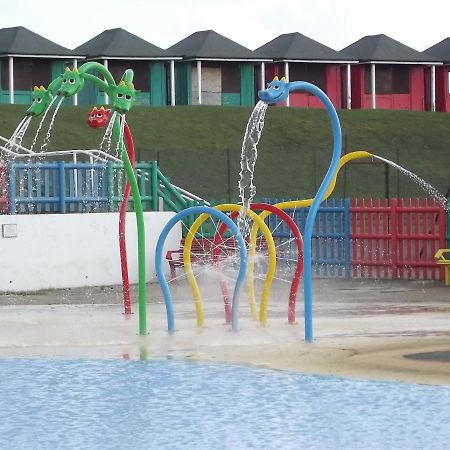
(123, 95)
(266, 394)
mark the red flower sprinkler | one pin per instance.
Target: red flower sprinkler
(99, 118)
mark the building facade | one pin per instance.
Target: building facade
(215, 71)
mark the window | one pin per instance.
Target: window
(389, 79)
(449, 81)
(231, 78)
(313, 73)
(28, 72)
(4, 75)
(141, 69)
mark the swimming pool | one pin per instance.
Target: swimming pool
(170, 404)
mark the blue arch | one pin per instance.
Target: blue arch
(158, 260)
(332, 169)
(278, 91)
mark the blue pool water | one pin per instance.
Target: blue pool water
(167, 404)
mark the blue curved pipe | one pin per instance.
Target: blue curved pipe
(277, 91)
(160, 273)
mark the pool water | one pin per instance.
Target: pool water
(169, 404)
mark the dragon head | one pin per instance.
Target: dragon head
(71, 82)
(41, 100)
(277, 91)
(98, 117)
(123, 97)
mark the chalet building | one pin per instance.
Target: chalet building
(440, 51)
(300, 58)
(214, 71)
(28, 59)
(390, 75)
(118, 50)
(210, 69)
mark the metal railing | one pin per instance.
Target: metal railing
(17, 151)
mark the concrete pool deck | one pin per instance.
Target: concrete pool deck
(362, 329)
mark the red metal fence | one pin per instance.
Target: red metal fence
(3, 189)
(396, 238)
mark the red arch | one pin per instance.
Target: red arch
(218, 238)
(122, 217)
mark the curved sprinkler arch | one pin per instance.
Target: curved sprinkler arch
(188, 267)
(123, 97)
(250, 280)
(358, 154)
(139, 214)
(122, 222)
(278, 91)
(203, 210)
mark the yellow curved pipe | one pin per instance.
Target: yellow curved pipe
(270, 273)
(294, 204)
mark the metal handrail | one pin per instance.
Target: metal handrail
(93, 154)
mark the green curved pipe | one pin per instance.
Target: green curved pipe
(140, 227)
(124, 96)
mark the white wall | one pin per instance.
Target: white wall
(53, 251)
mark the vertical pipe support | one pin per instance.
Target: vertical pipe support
(75, 97)
(433, 88)
(372, 86)
(349, 87)
(199, 81)
(11, 79)
(263, 76)
(105, 64)
(286, 74)
(172, 82)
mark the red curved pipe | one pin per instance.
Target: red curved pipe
(218, 238)
(122, 219)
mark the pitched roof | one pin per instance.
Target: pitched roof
(21, 41)
(211, 45)
(383, 48)
(441, 50)
(120, 43)
(296, 46)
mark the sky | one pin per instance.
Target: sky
(249, 22)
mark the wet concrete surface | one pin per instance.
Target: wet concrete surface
(362, 328)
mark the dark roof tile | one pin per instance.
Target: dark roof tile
(211, 45)
(21, 41)
(380, 47)
(296, 46)
(441, 50)
(121, 44)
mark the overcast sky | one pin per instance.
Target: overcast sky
(249, 22)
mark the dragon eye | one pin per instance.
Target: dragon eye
(64, 80)
(276, 87)
(72, 81)
(39, 100)
(128, 97)
(119, 95)
(99, 115)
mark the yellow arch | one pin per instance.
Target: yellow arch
(270, 273)
(293, 204)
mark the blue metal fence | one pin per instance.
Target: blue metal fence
(61, 187)
(56, 187)
(331, 252)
